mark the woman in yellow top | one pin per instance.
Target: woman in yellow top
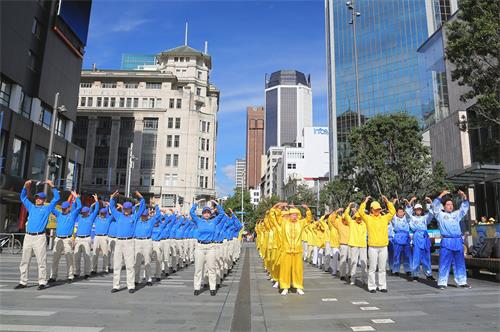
(290, 228)
(377, 225)
(324, 249)
(343, 228)
(320, 233)
(357, 244)
(333, 253)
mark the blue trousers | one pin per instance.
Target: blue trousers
(421, 256)
(447, 258)
(406, 251)
(390, 253)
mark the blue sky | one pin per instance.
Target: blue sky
(246, 40)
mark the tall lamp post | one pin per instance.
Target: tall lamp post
(354, 14)
(243, 175)
(50, 157)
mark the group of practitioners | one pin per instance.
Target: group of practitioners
(368, 237)
(132, 234)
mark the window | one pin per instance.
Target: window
(198, 91)
(99, 101)
(18, 157)
(153, 85)
(206, 163)
(203, 126)
(168, 200)
(208, 143)
(182, 59)
(129, 102)
(150, 123)
(108, 85)
(83, 100)
(208, 127)
(122, 102)
(85, 85)
(177, 123)
(146, 180)
(105, 102)
(90, 101)
(145, 102)
(120, 178)
(151, 103)
(170, 123)
(179, 103)
(60, 126)
(206, 181)
(202, 144)
(25, 105)
(38, 162)
(168, 160)
(45, 117)
(170, 180)
(175, 160)
(291, 166)
(199, 75)
(169, 141)
(176, 59)
(136, 102)
(5, 88)
(112, 102)
(171, 103)
(188, 59)
(200, 183)
(131, 85)
(32, 60)
(202, 163)
(177, 141)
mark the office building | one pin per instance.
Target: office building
(255, 196)
(240, 173)
(288, 107)
(388, 68)
(170, 116)
(41, 55)
(255, 145)
(138, 61)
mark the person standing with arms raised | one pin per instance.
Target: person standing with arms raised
(35, 239)
(84, 222)
(124, 247)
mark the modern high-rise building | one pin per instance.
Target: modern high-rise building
(170, 116)
(137, 61)
(240, 173)
(288, 108)
(255, 145)
(41, 55)
(388, 34)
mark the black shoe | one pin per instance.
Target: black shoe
(51, 280)
(131, 291)
(110, 271)
(163, 272)
(217, 286)
(373, 291)
(41, 287)
(196, 292)
(158, 279)
(69, 281)
(86, 276)
(408, 274)
(136, 283)
(174, 270)
(213, 293)
(465, 286)
(93, 273)
(431, 278)
(114, 290)
(442, 287)
(395, 274)
(415, 278)
(20, 286)
(342, 278)
(149, 283)
(77, 276)
(383, 290)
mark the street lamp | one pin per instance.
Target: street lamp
(354, 14)
(243, 176)
(50, 157)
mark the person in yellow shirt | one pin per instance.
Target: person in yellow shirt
(357, 244)
(343, 228)
(378, 239)
(324, 249)
(333, 257)
(290, 228)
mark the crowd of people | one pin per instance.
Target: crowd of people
(367, 238)
(132, 234)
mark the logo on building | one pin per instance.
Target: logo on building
(320, 131)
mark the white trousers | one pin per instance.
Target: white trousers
(34, 244)
(344, 255)
(158, 255)
(111, 251)
(143, 250)
(304, 252)
(358, 255)
(315, 255)
(62, 246)
(334, 260)
(377, 257)
(167, 252)
(82, 244)
(100, 243)
(205, 255)
(124, 252)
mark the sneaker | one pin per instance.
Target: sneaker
(342, 278)
(408, 274)
(276, 284)
(86, 276)
(442, 287)
(213, 293)
(149, 283)
(415, 278)
(196, 292)
(69, 280)
(383, 290)
(431, 278)
(51, 280)
(396, 274)
(465, 286)
(131, 290)
(300, 291)
(158, 279)
(20, 286)
(284, 292)
(93, 273)
(77, 276)
(136, 283)
(352, 283)
(41, 287)
(114, 290)
(372, 291)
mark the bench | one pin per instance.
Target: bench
(476, 264)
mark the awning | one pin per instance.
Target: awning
(475, 174)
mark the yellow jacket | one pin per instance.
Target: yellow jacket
(322, 233)
(377, 227)
(343, 229)
(289, 233)
(357, 232)
(334, 233)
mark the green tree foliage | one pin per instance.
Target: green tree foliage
(474, 48)
(339, 193)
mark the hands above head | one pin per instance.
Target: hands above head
(413, 199)
(305, 206)
(462, 194)
(50, 183)
(96, 199)
(350, 205)
(443, 193)
(367, 198)
(74, 194)
(339, 210)
(385, 199)
(428, 200)
(27, 184)
(113, 195)
(138, 195)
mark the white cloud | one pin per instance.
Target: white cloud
(228, 171)
(128, 24)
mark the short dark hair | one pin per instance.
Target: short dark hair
(400, 208)
(446, 200)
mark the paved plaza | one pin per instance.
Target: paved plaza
(245, 302)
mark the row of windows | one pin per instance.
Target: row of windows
(203, 163)
(128, 102)
(127, 85)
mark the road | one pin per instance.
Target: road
(246, 302)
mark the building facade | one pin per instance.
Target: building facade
(388, 34)
(168, 114)
(288, 107)
(41, 55)
(137, 61)
(240, 170)
(255, 145)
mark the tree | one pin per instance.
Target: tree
(234, 203)
(390, 158)
(260, 210)
(303, 195)
(339, 193)
(474, 47)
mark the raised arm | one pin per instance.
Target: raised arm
(391, 208)
(464, 206)
(193, 215)
(55, 197)
(362, 208)
(112, 207)
(24, 196)
(347, 214)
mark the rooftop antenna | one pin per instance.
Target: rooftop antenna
(186, 35)
(206, 47)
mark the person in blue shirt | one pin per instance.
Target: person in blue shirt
(452, 244)
(205, 249)
(421, 241)
(101, 240)
(111, 239)
(124, 247)
(143, 243)
(166, 242)
(401, 241)
(35, 240)
(156, 237)
(63, 242)
(176, 243)
(83, 242)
